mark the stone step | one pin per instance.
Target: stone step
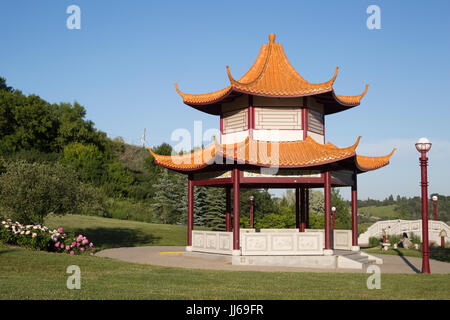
(353, 260)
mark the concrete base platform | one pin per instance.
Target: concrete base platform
(339, 260)
(326, 262)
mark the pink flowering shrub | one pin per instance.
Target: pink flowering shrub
(42, 238)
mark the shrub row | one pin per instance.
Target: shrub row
(42, 238)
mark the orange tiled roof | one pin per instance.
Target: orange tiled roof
(271, 75)
(285, 154)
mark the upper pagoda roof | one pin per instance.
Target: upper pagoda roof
(272, 75)
(285, 154)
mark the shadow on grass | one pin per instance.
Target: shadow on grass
(400, 254)
(118, 237)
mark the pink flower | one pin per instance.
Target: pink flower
(82, 249)
(78, 244)
(67, 247)
(85, 241)
(91, 245)
(60, 230)
(72, 253)
(73, 243)
(91, 254)
(57, 244)
(62, 246)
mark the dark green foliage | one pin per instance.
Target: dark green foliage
(343, 214)
(169, 202)
(30, 191)
(374, 242)
(200, 205)
(215, 209)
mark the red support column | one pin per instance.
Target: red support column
(251, 116)
(355, 213)
(297, 208)
(307, 207)
(190, 209)
(327, 204)
(251, 212)
(228, 208)
(305, 118)
(302, 210)
(236, 219)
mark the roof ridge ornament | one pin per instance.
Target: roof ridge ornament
(335, 75)
(272, 37)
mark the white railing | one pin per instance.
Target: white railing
(281, 243)
(212, 241)
(397, 227)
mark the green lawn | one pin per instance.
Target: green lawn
(111, 233)
(439, 254)
(382, 212)
(26, 274)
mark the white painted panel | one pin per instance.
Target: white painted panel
(235, 121)
(212, 241)
(278, 118)
(234, 137)
(278, 135)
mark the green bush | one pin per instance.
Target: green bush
(415, 239)
(374, 242)
(394, 238)
(30, 191)
(88, 160)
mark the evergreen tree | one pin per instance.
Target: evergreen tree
(200, 206)
(215, 209)
(165, 200)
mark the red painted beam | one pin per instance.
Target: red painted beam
(212, 181)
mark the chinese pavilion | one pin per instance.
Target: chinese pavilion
(272, 125)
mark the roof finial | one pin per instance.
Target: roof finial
(272, 37)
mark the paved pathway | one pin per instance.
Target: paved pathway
(173, 257)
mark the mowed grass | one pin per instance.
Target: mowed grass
(111, 233)
(436, 253)
(26, 274)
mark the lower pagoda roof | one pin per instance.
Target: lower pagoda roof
(307, 154)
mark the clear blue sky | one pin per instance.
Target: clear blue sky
(122, 64)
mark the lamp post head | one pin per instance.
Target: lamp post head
(434, 198)
(333, 208)
(423, 145)
(252, 198)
